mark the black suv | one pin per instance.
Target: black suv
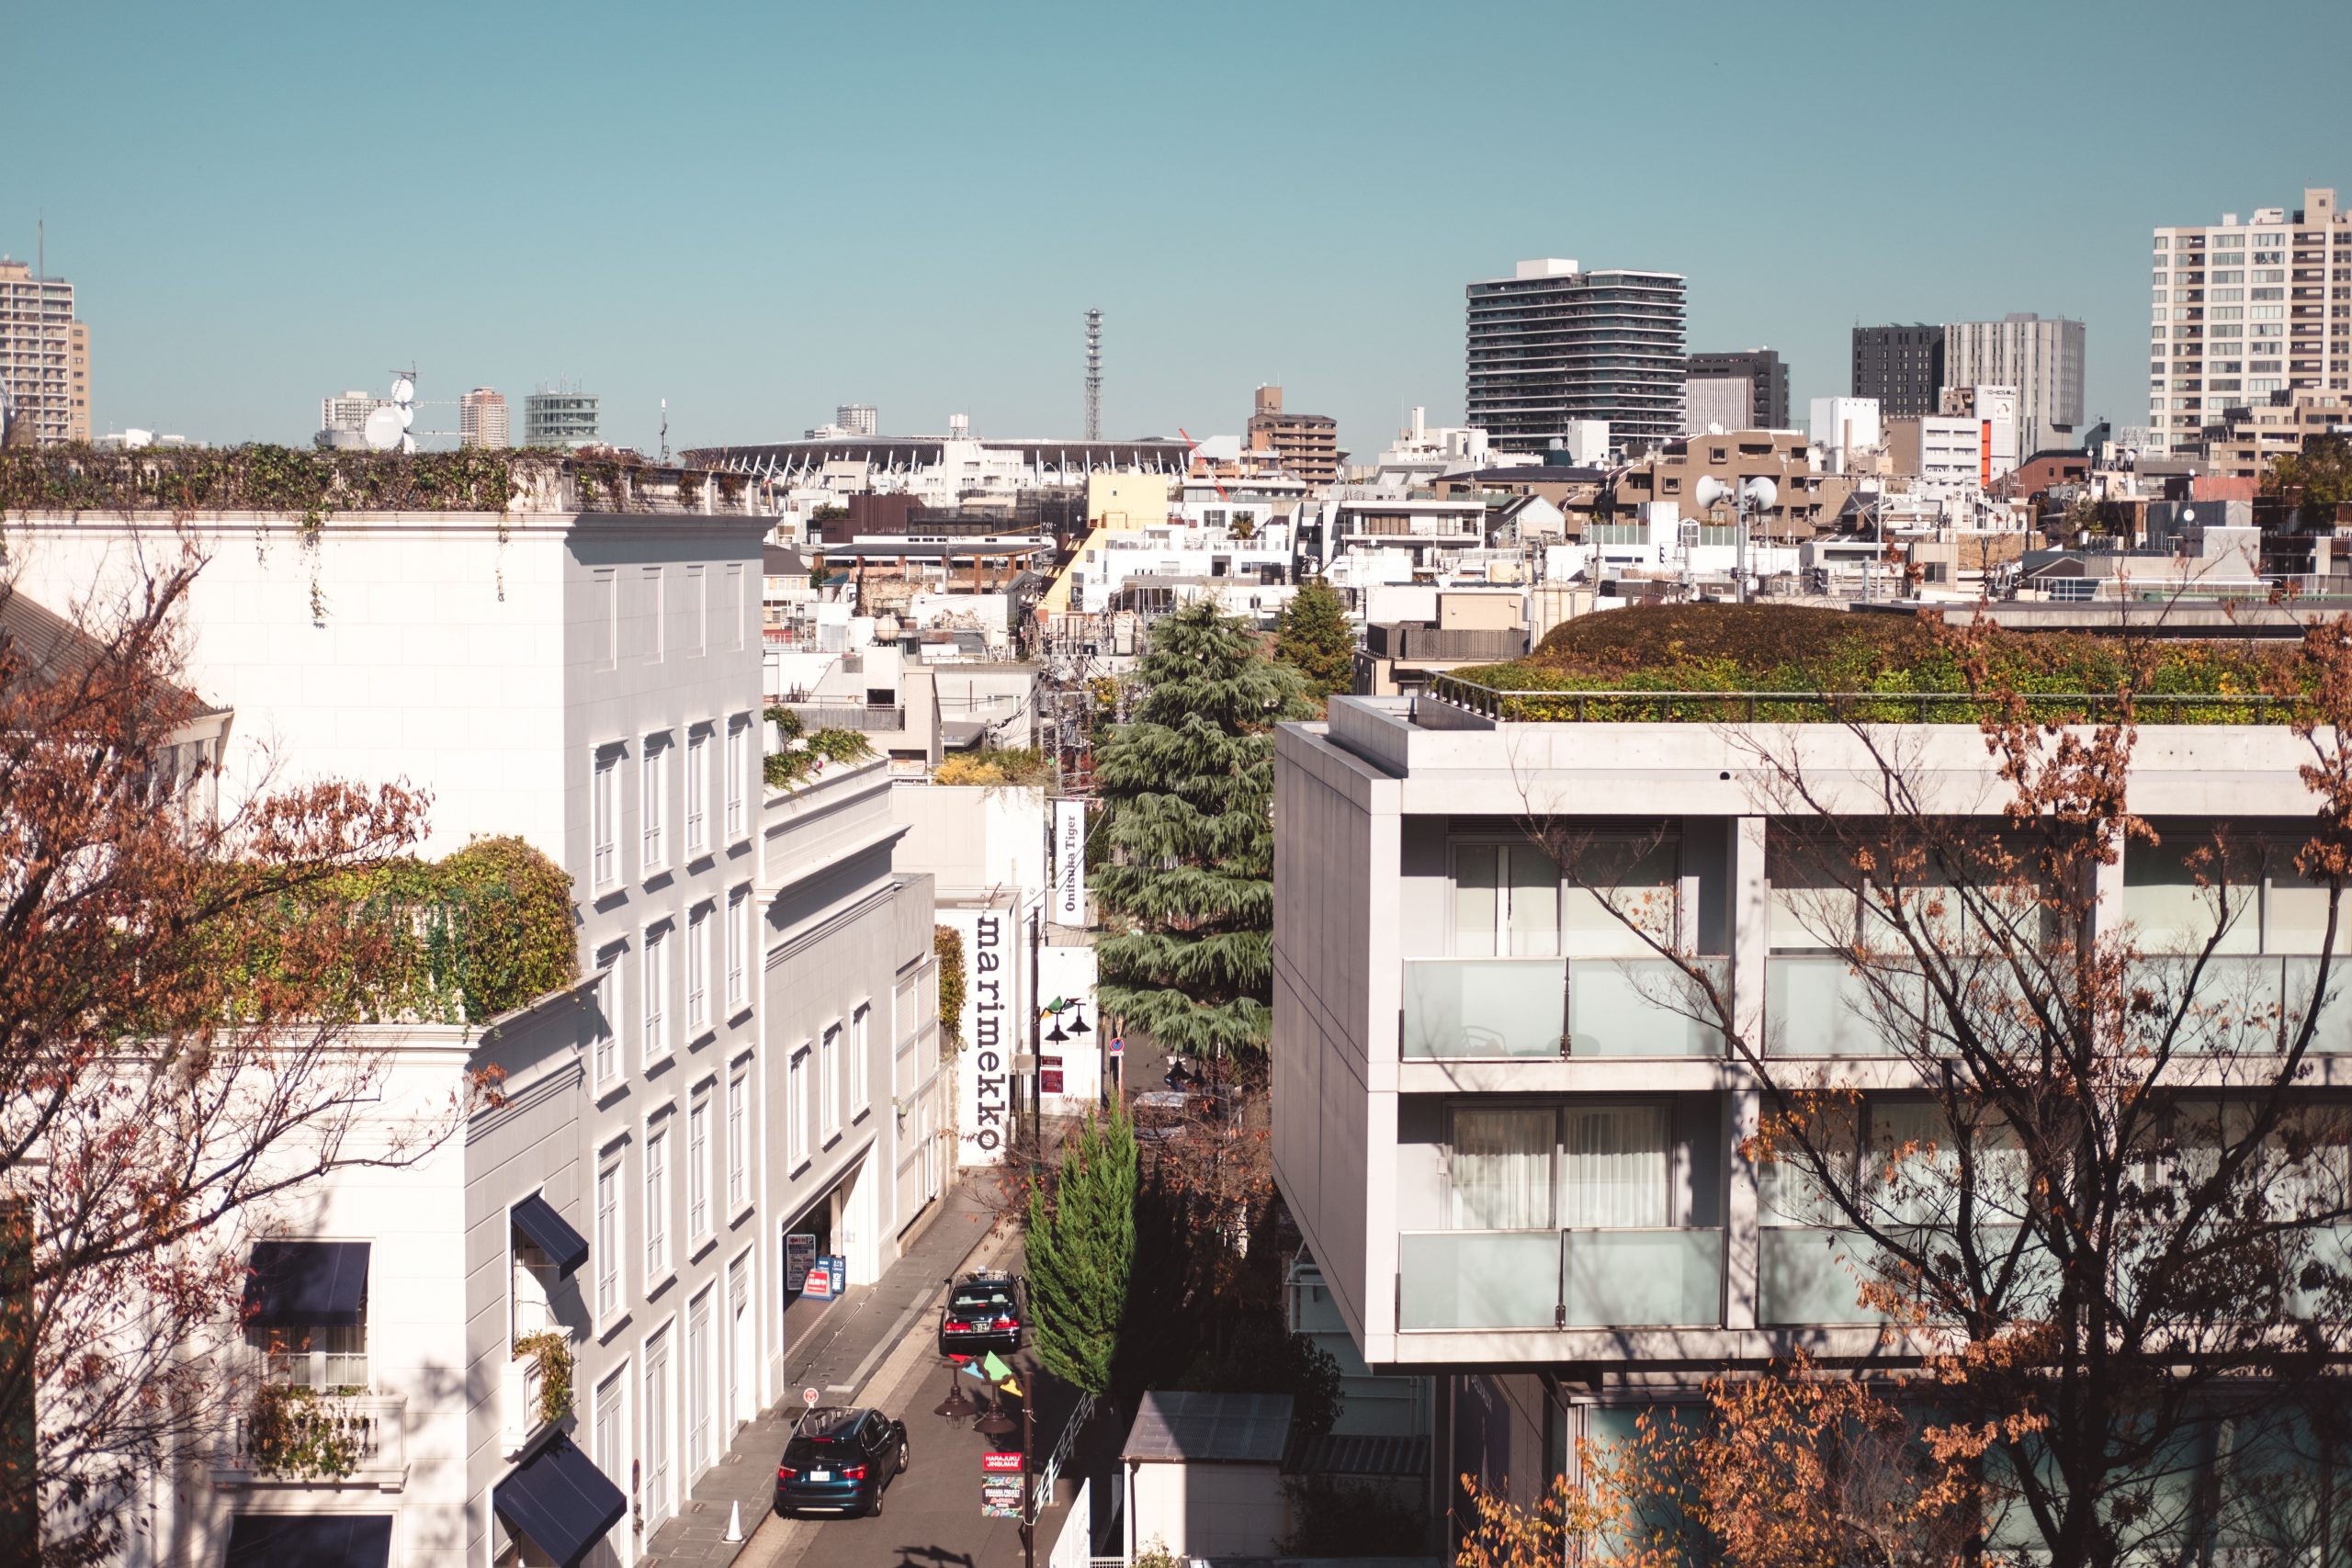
(984, 1312)
(839, 1461)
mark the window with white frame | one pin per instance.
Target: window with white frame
(739, 948)
(657, 1202)
(608, 1023)
(655, 1043)
(828, 1078)
(861, 1059)
(739, 1136)
(611, 1424)
(653, 803)
(608, 1237)
(699, 970)
(739, 772)
(698, 790)
(698, 1165)
(804, 1105)
(605, 816)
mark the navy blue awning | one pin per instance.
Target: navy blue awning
(559, 1501)
(307, 1284)
(551, 1234)
(315, 1540)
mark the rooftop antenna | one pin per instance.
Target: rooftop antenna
(1093, 375)
(665, 430)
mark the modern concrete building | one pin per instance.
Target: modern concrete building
(1901, 369)
(1844, 428)
(346, 414)
(753, 1031)
(1306, 444)
(1767, 381)
(1805, 500)
(2041, 357)
(855, 418)
(2248, 440)
(481, 419)
(563, 418)
(1520, 1170)
(44, 355)
(1551, 345)
(2239, 310)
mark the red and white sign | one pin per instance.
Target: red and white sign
(808, 1397)
(1000, 1464)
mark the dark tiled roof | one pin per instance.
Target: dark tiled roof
(1332, 1454)
(1210, 1429)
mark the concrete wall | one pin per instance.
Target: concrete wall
(1205, 1510)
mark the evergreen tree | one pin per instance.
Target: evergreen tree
(1082, 1247)
(1188, 788)
(1313, 636)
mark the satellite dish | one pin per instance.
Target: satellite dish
(407, 413)
(384, 429)
(1714, 427)
(1759, 494)
(1709, 490)
(403, 390)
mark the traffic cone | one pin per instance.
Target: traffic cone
(734, 1521)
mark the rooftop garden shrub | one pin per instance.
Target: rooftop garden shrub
(1016, 766)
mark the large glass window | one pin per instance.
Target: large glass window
(657, 1204)
(1596, 1165)
(1614, 1165)
(1506, 901)
(1502, 1168)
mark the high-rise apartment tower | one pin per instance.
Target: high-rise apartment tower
(1551, 345)
(481, 419)
(44, 355)
(2241, 311)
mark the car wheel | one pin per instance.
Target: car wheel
(902, 1456)
(873, 1509)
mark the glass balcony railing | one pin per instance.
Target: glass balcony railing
(1555, 1279)
(1641, 1007)
(1483, 1009)
(2333, 1032)
(1820, 1005)
(1809, 1275)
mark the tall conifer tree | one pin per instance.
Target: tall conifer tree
(1189, 788)
(1082, 1246)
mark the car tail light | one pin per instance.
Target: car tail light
(957, 1325)
(1008, 1321)
(785, 1473)
(852, 1472)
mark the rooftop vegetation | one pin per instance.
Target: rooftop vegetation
(1795, 663)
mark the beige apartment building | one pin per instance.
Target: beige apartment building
(2240, 310)
(481, 419)
(2251, 439)
(44, 355)
(1306, 444)
(1806, 501)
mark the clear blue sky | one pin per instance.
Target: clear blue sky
(759, 210)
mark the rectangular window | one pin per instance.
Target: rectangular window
(604, 604)
(799, 1107)
(655, 1045)
(653, 803)
(699, 1166)
(698, 1380)
(739, 774)
(739, 1137)
(611, 1424)
(608, 1241)
(739, 948)
(649, 588)
(1500, 1169)
(604, 815)
(861, 1060)
(657, 1204)
(829, 1075)
(738, 608)
(697, 790)
(657, 1431)
(698, 971)
(697, 614)
(608, 1047)
(1506, 901)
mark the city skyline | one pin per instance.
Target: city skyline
(716, 241)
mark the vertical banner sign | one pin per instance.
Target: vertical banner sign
(1069, 863)
(989, 1031)
(1069, 1028)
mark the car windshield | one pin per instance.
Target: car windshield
(987, 1298)
(802, 1450)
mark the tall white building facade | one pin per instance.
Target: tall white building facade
(2239, 310)
(2041, 357)
(756, 999)
(1552, 345)
(44, 355)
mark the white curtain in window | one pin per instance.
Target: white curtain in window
(1502, 1170)
(1616, 1172)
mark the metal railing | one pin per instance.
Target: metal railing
(1066, 1446)
(369, 1427)
(848, 715)
(1683, 706)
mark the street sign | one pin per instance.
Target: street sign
(1000, 1464)
(1118, 1046)
(808, 1397)
(800, 1253)
(818, 1282)
(1001, 1497)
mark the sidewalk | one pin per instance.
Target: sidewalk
(836, 1355)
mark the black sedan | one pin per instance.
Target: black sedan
(985, 1312)
(839, 1461)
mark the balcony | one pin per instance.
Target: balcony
(318, 1439)
(1407, 639)
(1484, 1009)
(1641, 1007)
(1566, 1278)
(1820, 1005)
(520, 1383)
(867, 718)
(1810, 1275)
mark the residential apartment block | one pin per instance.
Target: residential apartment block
(1550, 345)
(481, 419)
(2239, 310)
(754, 1018)
(2041, 357)
(44, 355)
(1514, 1164)
(1768, 383)
(1304, 445)
(2248, 440)
(1900, 367)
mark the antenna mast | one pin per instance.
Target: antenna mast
(1094, 374)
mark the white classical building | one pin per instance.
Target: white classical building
(746, 1056)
